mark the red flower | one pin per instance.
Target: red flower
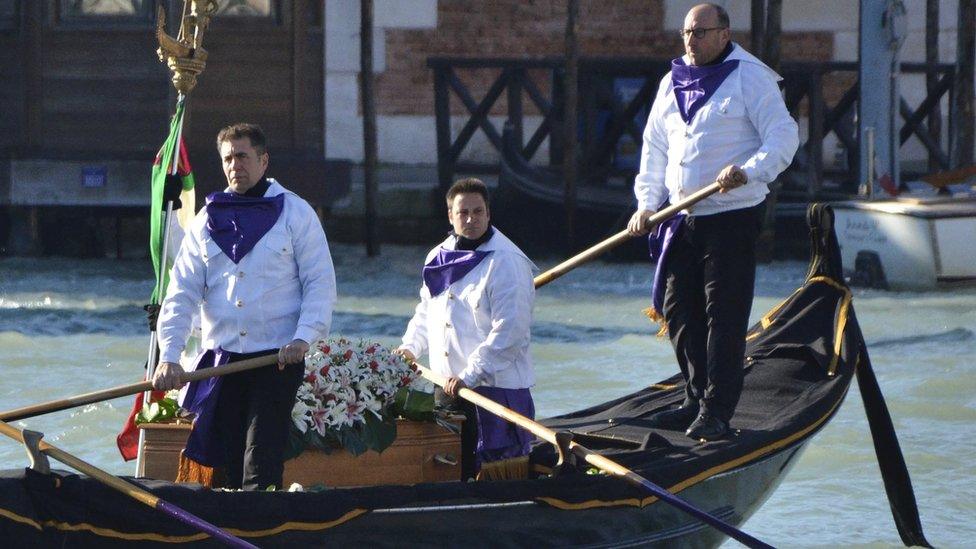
(324, 371)
(348, 354)
(310, 378)
(373, 365)
(371, 349)
(326, 349)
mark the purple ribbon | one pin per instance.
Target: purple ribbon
(694, 85)
(204, 446)
(497, 438)
(449, 266)
(659, 243)
(237, 222)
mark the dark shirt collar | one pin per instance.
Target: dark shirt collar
(259, 188)
(722, 56)
(468, 244)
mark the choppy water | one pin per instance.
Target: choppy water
(70, 326)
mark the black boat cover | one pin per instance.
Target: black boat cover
(801, 359)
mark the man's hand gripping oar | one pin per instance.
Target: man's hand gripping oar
(623, 236)
(133, 388)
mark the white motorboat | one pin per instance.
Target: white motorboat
(908, 243)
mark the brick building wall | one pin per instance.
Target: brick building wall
(410, 31)
(513, 28)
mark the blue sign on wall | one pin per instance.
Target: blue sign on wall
(94, 176)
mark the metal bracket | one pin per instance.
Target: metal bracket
(567, 460)
(38, 461)
(446, 459)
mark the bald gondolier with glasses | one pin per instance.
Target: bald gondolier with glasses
(718, 116)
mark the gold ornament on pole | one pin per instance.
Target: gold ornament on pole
(184, 54)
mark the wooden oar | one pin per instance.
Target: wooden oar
(621, 237)
(129, 489)
(598, 461)
(132, 388)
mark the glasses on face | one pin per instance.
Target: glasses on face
(697, 33)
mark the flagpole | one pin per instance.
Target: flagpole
(186, 59)
(153, 340)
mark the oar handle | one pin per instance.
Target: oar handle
(129, 489)
(597, 460)
(132, 388)
(623, 236)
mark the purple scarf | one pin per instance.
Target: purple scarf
(694, 85)
(237, 222)
(204, 445)
(449, 266)
(497, 438)
(659, 242)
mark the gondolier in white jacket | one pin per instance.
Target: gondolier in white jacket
(718, 116)
(256, 265)
(474, 320)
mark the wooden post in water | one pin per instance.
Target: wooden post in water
(570, 142)
(773, 31)
(369, 126)
(962, 145)
(758, 27)
(932, 75)
(768, 14)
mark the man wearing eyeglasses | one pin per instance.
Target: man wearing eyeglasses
(718, 116)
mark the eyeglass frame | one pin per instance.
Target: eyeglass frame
(698, 33)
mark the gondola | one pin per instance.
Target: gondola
(802, 357)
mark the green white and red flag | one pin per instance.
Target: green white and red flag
(171, 160)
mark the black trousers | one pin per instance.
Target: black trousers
(711, 271)
(253, 415)
(469, 430)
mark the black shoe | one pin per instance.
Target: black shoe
(674, 419)
(707, 427)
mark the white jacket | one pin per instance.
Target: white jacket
(478, 329)
(283, 289)
(745, 122)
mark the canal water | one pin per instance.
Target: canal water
(74, 326)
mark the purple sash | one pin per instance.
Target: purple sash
(204, 445)
(694, 85)
(497, 438)
(659, 242)
(237, 223)
(449, 266)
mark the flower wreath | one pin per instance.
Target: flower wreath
(347, 397)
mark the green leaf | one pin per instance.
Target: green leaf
(158, 411)
(379, 433)
(415, 405)
(352, 440)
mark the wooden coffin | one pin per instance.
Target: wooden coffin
(422, 452)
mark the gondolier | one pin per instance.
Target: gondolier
(256, 264)
(474, 320)
(718, 116)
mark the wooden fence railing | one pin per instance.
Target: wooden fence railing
(606, 119)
